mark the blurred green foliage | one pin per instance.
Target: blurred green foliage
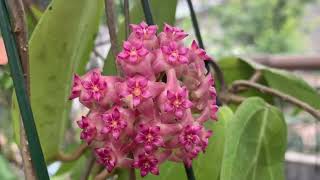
(265, 26)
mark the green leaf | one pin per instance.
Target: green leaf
(255, 143)
(6, 172)
(58, 43)
(208, 165)
(235, 68)
(163, 12)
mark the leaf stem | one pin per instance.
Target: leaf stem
(243, 83)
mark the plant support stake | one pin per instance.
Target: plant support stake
(22, 97)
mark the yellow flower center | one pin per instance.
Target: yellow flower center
(137, 91)
(176, 103)
(114, 124)
(95, 88)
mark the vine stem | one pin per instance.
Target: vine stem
(21, 36)
(73, 156)
(244, 83)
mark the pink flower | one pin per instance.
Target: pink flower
(174, 33)
(147, 163)
(132, 53)
(138, 88)
(177, 102)
(143, 31)
(149, 137)
(113, 123)
(175, 54)
(106, 157)
(197, 52)
(89, 131)
(94, 86)
(190, 139)
(146, 111)
(76, 87)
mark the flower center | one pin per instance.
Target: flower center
(175, 54)
(137, 91)
(114, 124)
(133, 52)
(189, 137)
(149, 137)
(95, 88)
(146, 165)
(176, 103)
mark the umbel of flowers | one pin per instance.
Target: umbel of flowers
(156, 110)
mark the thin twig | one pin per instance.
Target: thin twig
(126, 17)
(229, 97)
(73, 156)
(89, 165)
(256, 76)
(242, 83)
(20, 30)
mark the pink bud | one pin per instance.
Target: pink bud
(76, 87)
(89, 130)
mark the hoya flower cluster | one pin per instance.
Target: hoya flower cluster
(155, 111)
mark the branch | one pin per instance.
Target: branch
(73, 156)
(20, 31)
(242, 83)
